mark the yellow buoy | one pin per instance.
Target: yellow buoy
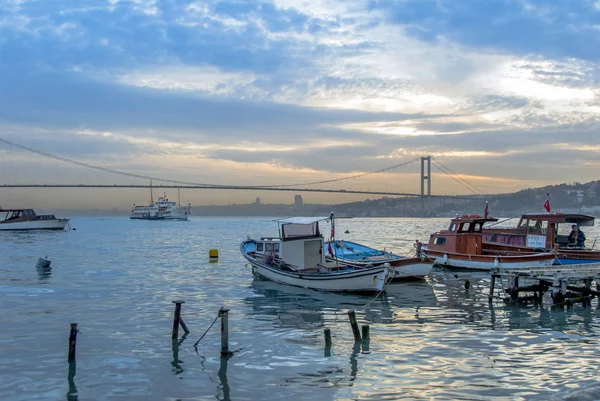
(213, 253)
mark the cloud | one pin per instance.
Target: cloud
(303, 88)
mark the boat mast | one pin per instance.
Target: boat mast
(178, 197)
(151, 196)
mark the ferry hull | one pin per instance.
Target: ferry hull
(58, 224)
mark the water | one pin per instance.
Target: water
(116, 278)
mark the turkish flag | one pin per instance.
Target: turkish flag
(547, 205)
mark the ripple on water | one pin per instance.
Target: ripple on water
(116, 278)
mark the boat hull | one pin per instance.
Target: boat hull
(58, 224)
(371, 279)
(174, 218)
(403, 268)
(489, 262)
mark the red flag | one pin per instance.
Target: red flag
(329, 249)
(547, 203)
(486, 212)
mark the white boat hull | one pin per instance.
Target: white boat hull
(371, 279)
(57, 224)
(416, 270)
(488, 262)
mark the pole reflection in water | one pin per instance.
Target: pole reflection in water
(176, 363)
(72, 393)
(223, 378)
(354, 362)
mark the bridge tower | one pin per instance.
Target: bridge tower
(425, 176)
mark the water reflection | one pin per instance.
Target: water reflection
(176, 363)
(224, 384)
(72, 393)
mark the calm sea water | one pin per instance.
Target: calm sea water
(116, 278)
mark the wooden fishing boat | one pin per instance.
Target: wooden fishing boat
(354, 254)
(461, 246)
(296, 258)
(539, 232)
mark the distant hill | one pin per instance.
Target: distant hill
(574, 197)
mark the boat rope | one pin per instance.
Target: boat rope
(383, 288)
(206, 332)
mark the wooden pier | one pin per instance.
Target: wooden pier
(568, 284)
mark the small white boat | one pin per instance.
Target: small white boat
(27, 219)
(355, 254)
(296, 258)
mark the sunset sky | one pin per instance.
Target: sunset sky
(505, 93)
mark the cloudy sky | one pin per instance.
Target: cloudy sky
(502, 92)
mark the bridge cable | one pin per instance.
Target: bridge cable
(454, 178)
(457, 178)
(133, 175)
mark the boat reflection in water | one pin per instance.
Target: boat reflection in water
(309, 309)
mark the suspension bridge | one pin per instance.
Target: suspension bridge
(162, 182)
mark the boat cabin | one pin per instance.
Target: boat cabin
(17, 215)
(539, 230)
(464, 235)
(299, 244)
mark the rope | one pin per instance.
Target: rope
(385, 284)
(209, 327)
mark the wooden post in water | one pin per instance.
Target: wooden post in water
(366, 339)
(72, 342)
(177, 320)
(224, 314)
(327, 342)
(354, 324)
(327, 337)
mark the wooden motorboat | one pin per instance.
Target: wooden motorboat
(461, 246)
(539, 232)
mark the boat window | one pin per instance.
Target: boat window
(259, 247)
(439, 241)
(464, 227)
(275, 247)
(522, 223)
(476, 227)
(452, 227)
(269, 247)
(537, 227)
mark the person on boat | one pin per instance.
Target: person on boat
(577, 237)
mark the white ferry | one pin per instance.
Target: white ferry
(162, 209)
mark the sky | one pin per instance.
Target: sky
(503, 93)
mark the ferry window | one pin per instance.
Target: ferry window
(269, 247)
(439, 241)
(452, 227)
(259, 247)
(275, 247)
(464, 227)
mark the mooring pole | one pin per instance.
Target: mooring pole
(327, 333)
(177, 319)
(366, 339)
(72, 342)
(354, 324)
(224, 314)
(327, 337)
